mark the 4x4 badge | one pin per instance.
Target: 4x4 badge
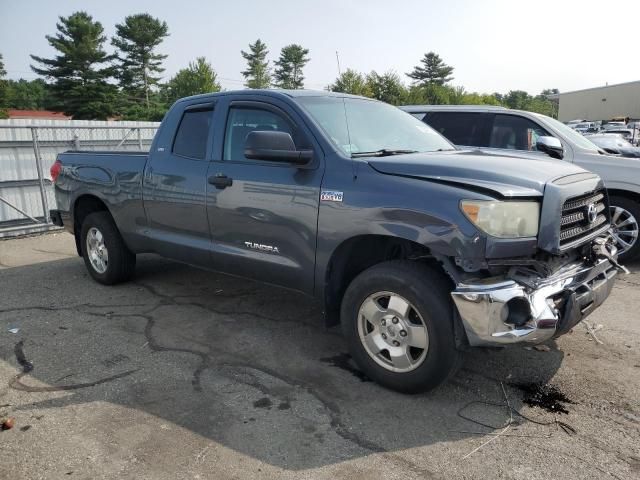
(331, 196)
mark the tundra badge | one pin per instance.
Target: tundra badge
(260, 246)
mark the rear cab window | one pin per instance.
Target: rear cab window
(191, 136)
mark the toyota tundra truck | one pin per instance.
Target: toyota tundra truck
(418, 249)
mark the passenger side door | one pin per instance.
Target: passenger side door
(516, 133)
(263, 214)
(175, 187)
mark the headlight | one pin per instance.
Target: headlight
(503, 219)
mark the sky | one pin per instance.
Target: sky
(494, 45)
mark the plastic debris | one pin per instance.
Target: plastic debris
(14, 330)
(8, 423)
(542, 348)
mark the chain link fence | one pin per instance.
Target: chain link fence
(27, 152)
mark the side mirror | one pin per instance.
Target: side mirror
(276, 147)
(551, 146)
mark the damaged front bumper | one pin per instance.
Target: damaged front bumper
(532, 309)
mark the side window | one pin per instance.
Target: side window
(191, 137)
(458, 127)
(242, 121)
(515, 133)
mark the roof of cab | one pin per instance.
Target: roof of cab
(429, 108)
(274, 92)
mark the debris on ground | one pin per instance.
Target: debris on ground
(8, 423)
(592, 329)
(13, 330)
(542, 348)
(544, 396)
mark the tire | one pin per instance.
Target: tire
(425, 291)
(114, 262)
(623, 210)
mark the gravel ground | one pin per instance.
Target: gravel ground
(184, 373)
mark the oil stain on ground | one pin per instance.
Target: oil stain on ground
(343, 361)
(544, 396)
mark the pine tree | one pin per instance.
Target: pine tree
(257, 74)
(138, 61)
(433, 72)
(80, 70)
(4, 90)
(289, 67)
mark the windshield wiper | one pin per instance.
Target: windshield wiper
(383, 152)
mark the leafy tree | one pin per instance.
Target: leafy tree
(257, 74)
(4, 90)
(432, 71)
(27, 95)
(351, 82)
(198, 77)
(288, 73)
(386, 87)
(79, 71)
(138, 61)
(517, 99)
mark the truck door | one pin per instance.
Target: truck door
(263, 214)
(175, 186)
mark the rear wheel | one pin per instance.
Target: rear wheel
(625, 217)
(105, 254)
(398, 321)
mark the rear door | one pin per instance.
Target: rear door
(464, 129)
(263, 214)
(175, 187)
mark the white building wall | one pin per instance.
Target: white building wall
(602, 103)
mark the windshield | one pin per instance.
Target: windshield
(571, 134)
(358, 126)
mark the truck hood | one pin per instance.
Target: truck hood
(501, 174)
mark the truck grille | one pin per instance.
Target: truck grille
(582, 217)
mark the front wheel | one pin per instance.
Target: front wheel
(105, 254)
(625, 217)
(397, 317)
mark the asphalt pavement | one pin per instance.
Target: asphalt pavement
(184, 373)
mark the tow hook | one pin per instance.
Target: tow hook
(604, 247)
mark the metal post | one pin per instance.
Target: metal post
(139, 138)
(43, 192)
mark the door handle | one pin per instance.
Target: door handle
(220, 181)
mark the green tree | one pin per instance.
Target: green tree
(351, 82)
(386, 87)
(139, 63)
(432, 71)
(198, 77)
(4, 90)
(27, 95)
(288, 72)
(517, 99)
(257, 74)
(80, 70)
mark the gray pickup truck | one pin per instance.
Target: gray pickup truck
(526, 135)
(418, 249)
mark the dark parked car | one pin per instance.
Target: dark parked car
(419, 250)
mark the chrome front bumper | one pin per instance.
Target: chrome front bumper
(496, 311)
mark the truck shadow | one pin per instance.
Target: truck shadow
(248, 366)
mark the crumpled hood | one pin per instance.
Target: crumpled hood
(505, 175)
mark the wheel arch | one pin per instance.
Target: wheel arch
(83, 206)
(356, 254)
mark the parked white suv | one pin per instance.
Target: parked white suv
(531, 135)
